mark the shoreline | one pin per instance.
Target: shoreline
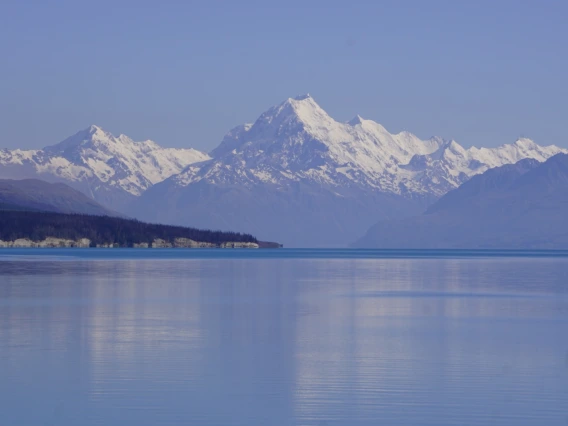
(83, 243)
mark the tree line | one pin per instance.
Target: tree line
(37, 226)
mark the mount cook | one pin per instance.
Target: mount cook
(296, 175)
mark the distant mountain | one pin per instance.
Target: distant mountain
(300, 215)
(298, 176)
(298, 141)
(295, 175)
(112, 170)
(524, 205)
(37, 195)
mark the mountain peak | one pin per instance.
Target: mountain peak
(307, 109)
(525, 143)
(297, 140)
(302, 109)
(91, 133)
(302, 101)
(356, 120)
(93, 128)
(303, 97)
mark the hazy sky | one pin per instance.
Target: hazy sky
(184, 72)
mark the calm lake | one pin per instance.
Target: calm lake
(283, 337)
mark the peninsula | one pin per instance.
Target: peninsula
(20, 229)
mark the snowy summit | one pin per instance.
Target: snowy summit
(96, 162)
(298, 141)
(298, 176)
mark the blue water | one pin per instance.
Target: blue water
(115, 254)
(283, 337)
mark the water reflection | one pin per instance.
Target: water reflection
(390, 349)
(285, 342)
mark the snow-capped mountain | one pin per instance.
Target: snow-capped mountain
(298, 141)
(110, 169)
(300, 177)
(451, 165)
(296, 175)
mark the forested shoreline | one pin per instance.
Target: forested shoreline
(104, 230)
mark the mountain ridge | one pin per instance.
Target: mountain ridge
(297, 139)
(38, 195)
(110, 169)
(294, 171)
(298, 176)
(521, 206)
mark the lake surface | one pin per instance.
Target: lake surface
(283, 337)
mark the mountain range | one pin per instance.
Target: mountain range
(300, 177)
(295, 175)
(112, 170)
(522, 205)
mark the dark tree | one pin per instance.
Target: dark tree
(103, 229)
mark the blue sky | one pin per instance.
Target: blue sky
(183, 73)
